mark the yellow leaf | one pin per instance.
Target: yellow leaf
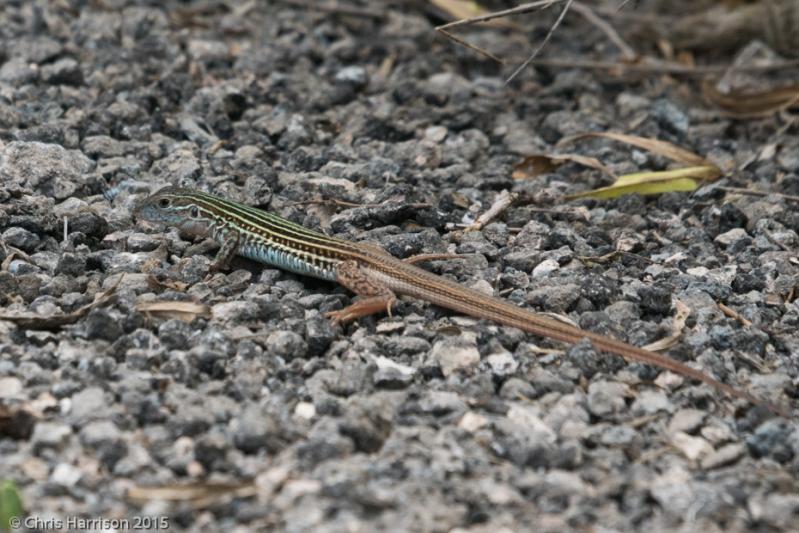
(467, 9)
(678, 180)
(459, 9)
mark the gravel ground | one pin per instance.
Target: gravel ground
(425, 421)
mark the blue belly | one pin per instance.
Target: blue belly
(288, 261)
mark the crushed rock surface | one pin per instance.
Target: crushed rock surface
(423, 421)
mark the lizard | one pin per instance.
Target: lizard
(370, 272)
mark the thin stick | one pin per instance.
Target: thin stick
(501, 203)
(612, 255)
(732, 313)
(659, 67)
(543, 43)
(621, 6)
(474, 47)
(626, 50)
(749, 192)
(54, 322)
(770, 236)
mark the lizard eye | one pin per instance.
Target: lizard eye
(195, 212)
(163, 203)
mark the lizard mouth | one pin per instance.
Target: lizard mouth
(148, 225)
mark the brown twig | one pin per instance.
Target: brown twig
(770, 236)
(732, 313)
(749, 192)
(37, 322)
(753, 360)
(11, 254)
(543, 43)
(467, 44)
(622, 5)
(590, 15)
(660, 67)
(524, 8)
(501, 203)
(611, 256)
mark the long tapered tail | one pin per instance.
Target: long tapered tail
(413, 281)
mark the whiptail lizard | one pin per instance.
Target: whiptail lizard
(370, 272)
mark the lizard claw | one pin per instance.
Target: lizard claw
(338, 317)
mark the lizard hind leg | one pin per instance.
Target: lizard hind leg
(374, 297)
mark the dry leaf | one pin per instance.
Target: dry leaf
(680, 316)
(449, 329)
(536, 164)
(199, 494)
(185, 311)
(460, 200)
(656, 146)
(741, 104)
(13, 253)
(678, 180)
(161, 285)
(37, 322)
(459, 9)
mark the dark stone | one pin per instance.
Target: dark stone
(16, 422)
(64, 71)
(589, 361)
(771, 439)
(258, 430)
(71, 264)
(600, 290)
(89, 224)
(319, 334)
(749, 281)
(99, 324)
(731, 217)
(656, 299)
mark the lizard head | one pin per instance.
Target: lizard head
(173, 206)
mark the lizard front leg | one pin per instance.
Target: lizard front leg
(229, 248)
(374, 297)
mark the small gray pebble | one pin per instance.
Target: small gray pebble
(21, 238)
(353, 75)
(50, 435)
(286, 344)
